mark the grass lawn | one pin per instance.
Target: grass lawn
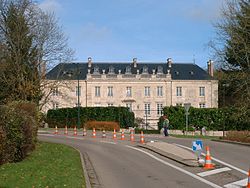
(194, 136)
(50, 165)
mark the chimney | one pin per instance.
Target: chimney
(210, 68)
(135, 62)
(169, 62)
(89, 62)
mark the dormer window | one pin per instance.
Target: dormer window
(159, 70)
(96, 70)
(111, 70)
(128, 70)
(145, 70)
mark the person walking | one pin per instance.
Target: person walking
(165, 125)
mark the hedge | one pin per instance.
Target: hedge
(102, 125)
(68, 116)
(18, 130)
(211, 118)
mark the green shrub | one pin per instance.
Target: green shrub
(68, 116)
(138, 131)
(18, 134)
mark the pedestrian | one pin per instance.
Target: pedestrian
(203, 131)
(165, 125)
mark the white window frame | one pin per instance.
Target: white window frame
(159, 107)
(202, 91)
(110, 91)
(159, 91)
(179, 91)
(202, 105)
(110, 104)
(147, 110)
(55, 91)
(147, 91)
(97, 91)
(55, 105)
(129, 106)
(129, 91)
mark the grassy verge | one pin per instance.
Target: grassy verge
(194, 137)
(50, 165)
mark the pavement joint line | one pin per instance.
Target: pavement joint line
(240, 183)
(177, 168)
(211, 172)
(215, 159)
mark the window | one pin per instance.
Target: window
(159, 70)
(202, 105)
(145, 70)
(128, 91)
(178, 104)
(159, 91)
(77, 104)
(97, 91)
(110, 104)
(111, 70)
(147, 108)
(78, 91)
(96, 70)
(128, 70)
(178, 91)
(202, 91)
(110, 91)
(55, 105)
(129, 106)
(159, 109)
(55, 91)
(147, 91)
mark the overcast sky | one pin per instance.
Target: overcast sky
(150, 30)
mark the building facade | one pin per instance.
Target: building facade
(145, 88)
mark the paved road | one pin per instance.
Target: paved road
(118, 165)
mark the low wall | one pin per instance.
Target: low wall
(193, 133)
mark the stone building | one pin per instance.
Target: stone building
(145, 88)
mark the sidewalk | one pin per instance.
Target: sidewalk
(172, 152)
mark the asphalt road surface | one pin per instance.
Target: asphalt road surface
(122, 164)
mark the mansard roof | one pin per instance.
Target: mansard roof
(179, 71)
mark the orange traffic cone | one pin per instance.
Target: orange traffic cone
(208, 160)
(84, 132)
(93, 133)
(103, 134)
(122, 135)
(248, 183)
(66, 130)
(132, 137)
(75, 131)
(114, 134)
(142, 141)
(56, 130)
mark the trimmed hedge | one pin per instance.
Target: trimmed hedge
(102, 125)
(68, 116)
(138, 131)
(18, 131)
(211, 118)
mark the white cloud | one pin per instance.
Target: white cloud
(50, 5)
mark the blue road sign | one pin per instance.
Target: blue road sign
(197, 145)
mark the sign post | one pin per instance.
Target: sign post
(187, 106)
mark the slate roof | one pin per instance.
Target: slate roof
(179, 71)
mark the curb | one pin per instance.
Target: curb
(168, 155)
(231, 142)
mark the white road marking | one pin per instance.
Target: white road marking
(237, 184)
(176, 167)
(46, 134)
(74, 137)
(107, 142)
(224, 163)
(211, 172)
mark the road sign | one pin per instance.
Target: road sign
(187, 106)
(197, 145)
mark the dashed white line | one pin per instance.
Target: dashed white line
(176, 167)
(107, 142)
(224, 163)
(211, 172)
(237, 184)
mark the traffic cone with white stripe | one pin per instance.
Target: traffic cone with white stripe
(56, 130)
(103, 134)
(142, 140)
(208, 160)
(132, 137)
(66, 130)
(248, 183)
(84, 132)
(93, 133)
(114, 134)
(75, 131)
(122, 135)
